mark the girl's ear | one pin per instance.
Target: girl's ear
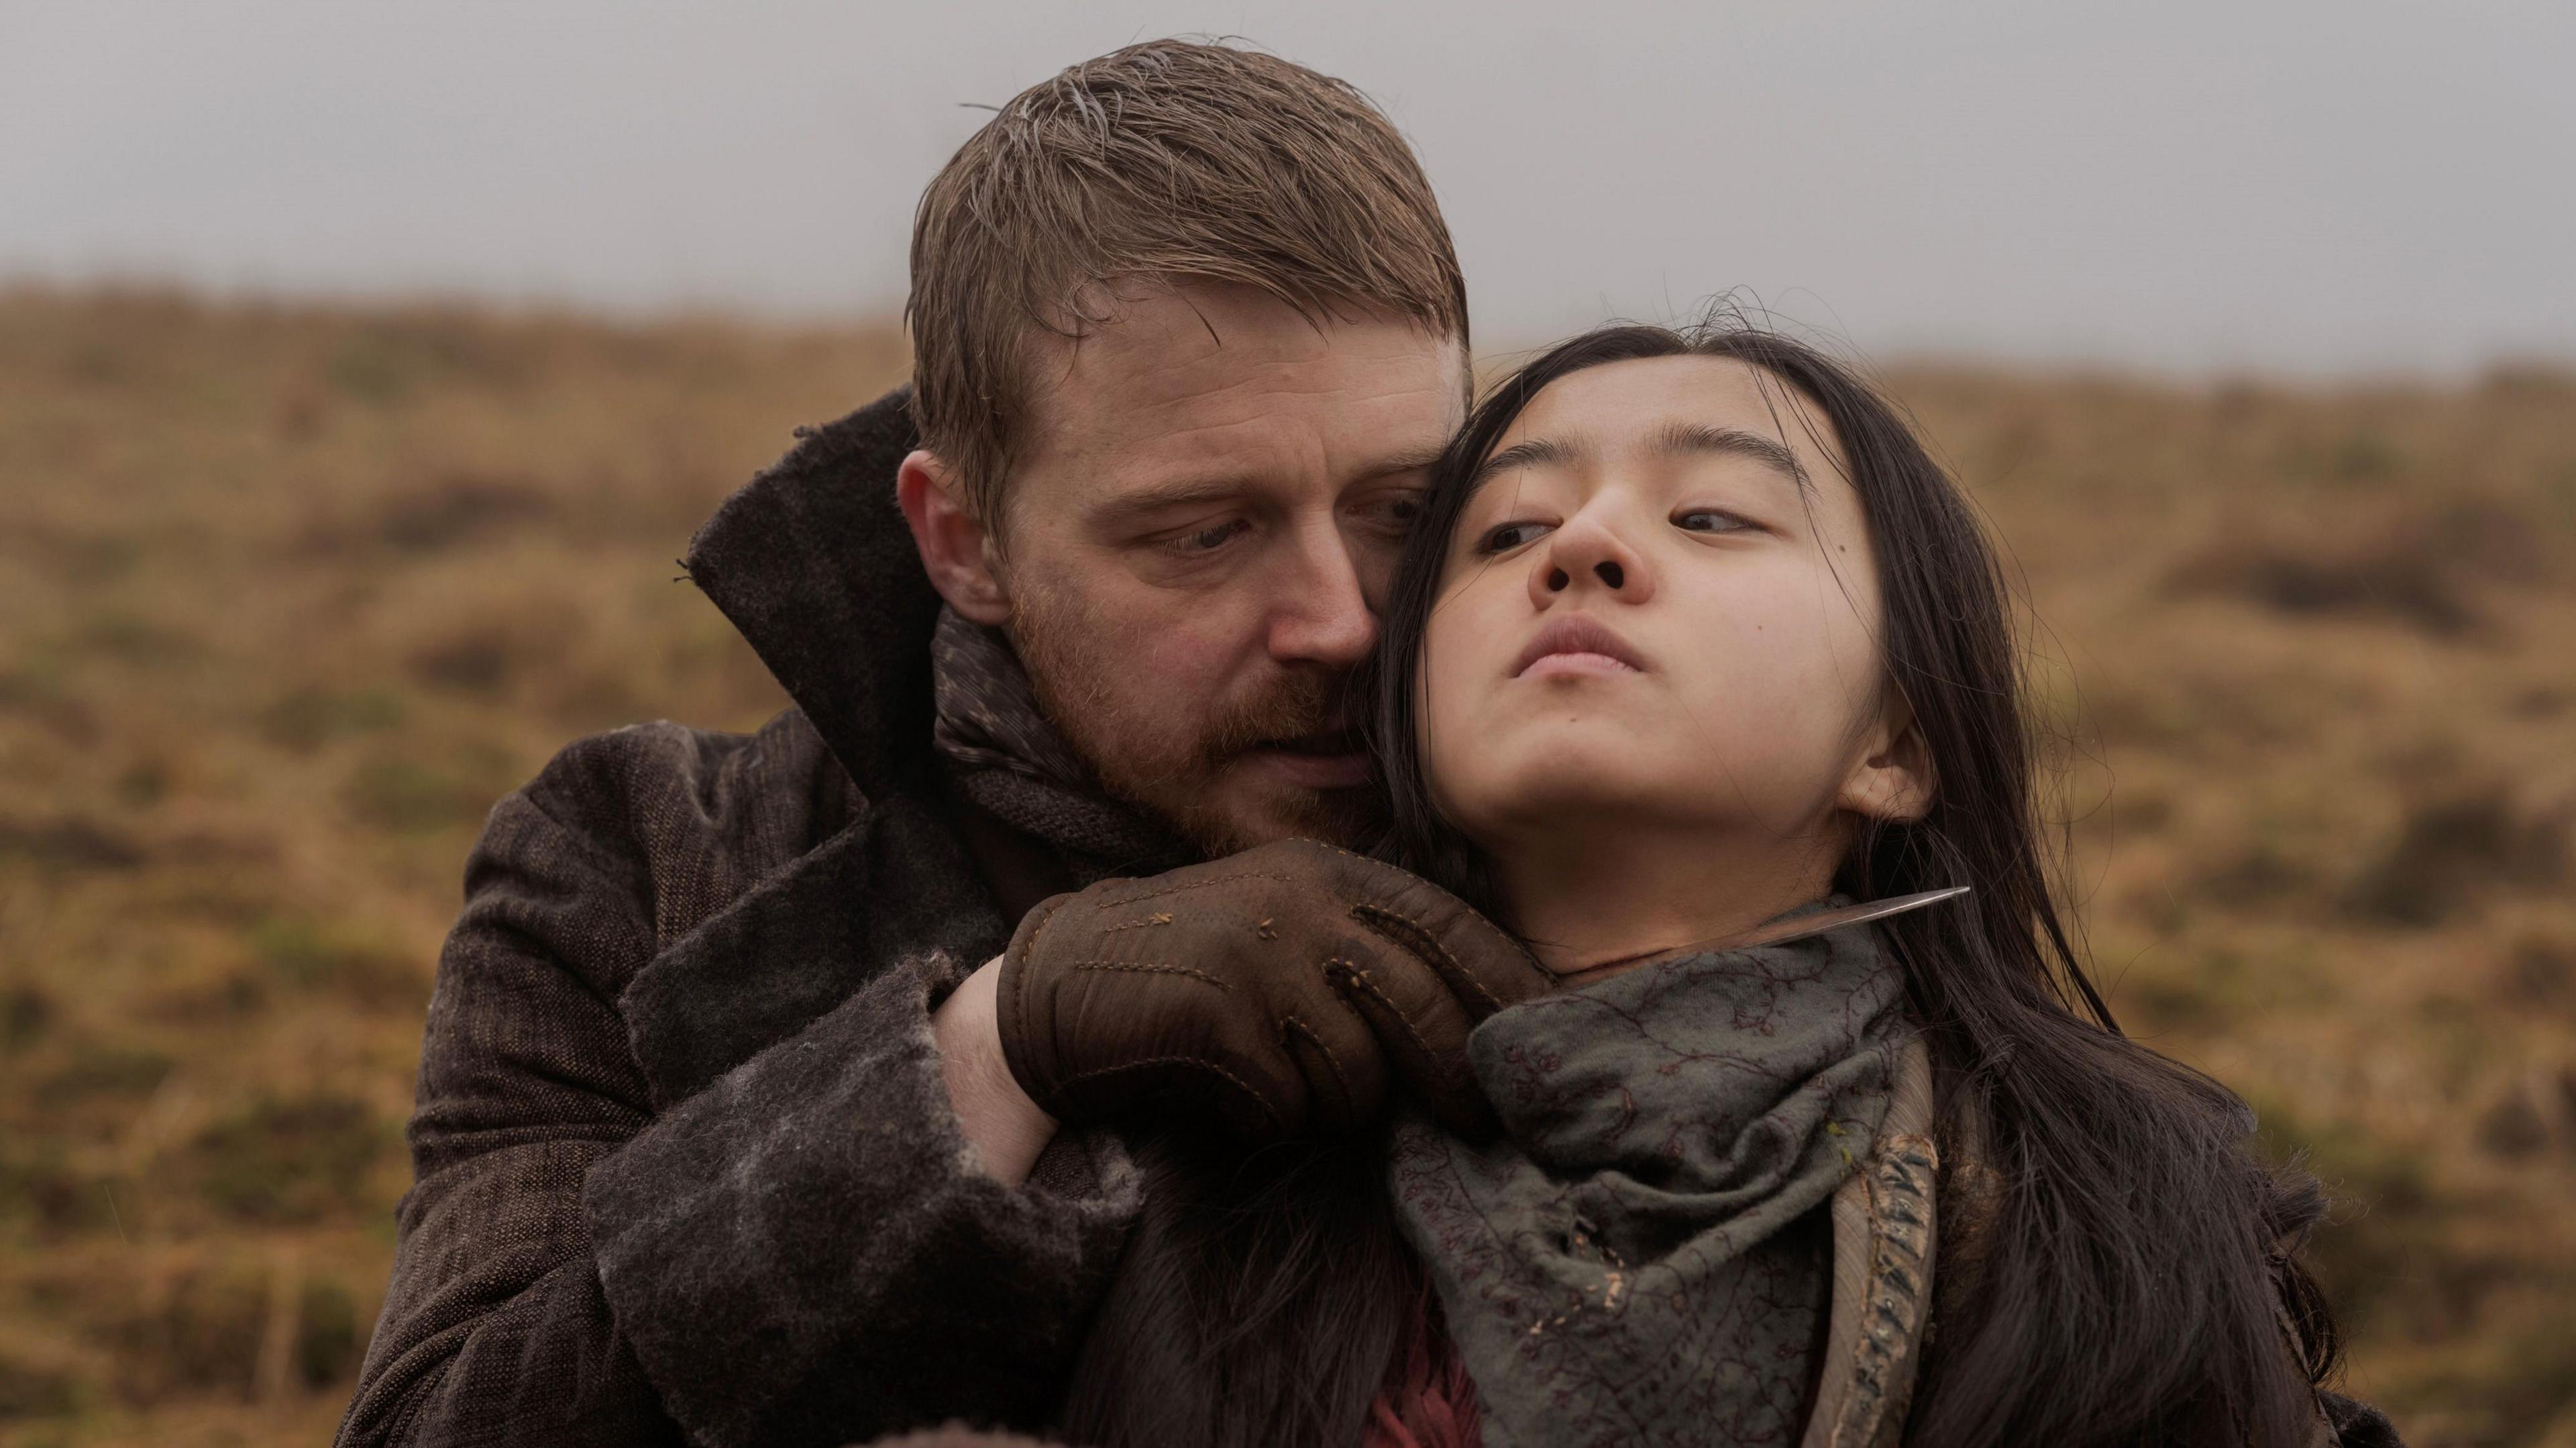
(1893, 780)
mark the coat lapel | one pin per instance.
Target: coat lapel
(813, 563)
(892, 886)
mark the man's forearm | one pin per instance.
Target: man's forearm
(1006, 1128)
(805, 1253)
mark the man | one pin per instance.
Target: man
(711, 1145)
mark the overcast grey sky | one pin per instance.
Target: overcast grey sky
(2319, 186)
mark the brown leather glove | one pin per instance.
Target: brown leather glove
(1281, 987)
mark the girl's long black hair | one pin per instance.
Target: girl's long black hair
(2136, 1280)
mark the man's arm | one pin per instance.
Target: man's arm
(494, 1327)
(804, 1252)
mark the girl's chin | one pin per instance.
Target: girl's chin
(1560, 797)
(1573, 760)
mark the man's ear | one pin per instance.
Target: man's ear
(1893, 779)
(954, 548)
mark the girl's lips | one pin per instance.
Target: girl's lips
(1560, 665)
(1566, 644)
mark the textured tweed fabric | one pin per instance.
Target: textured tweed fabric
(686, 1169)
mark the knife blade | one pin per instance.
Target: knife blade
(1800, 927)
(1779, 932)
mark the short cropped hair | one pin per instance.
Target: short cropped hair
(1170, 161)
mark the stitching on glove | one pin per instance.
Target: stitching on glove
(1053, 909)
(1147, 967)
(1018, 1004)
(1239, 1084)
(1353, 974)
(1377, 918)
(1127, 900)
(1546, 976)
(1410, 934)
(1297, 1023)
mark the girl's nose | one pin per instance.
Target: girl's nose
(1605, 570)
(1588, 554)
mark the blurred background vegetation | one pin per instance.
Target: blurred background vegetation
(289, 595)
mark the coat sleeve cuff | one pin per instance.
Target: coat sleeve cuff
(806, 1251)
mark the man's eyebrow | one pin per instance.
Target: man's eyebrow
(1417, 460)
(1540, 452)
(1684, 438)
(1218, 487)
(1177, 493)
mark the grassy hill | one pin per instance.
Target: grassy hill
(289, 595)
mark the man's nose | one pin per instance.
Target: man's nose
(1322, 618)
(1587, 554)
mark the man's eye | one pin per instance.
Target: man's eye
(1709, 520)
(1213, 536)
(1504, 537)
(1393, 514)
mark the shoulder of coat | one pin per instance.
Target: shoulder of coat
(716, 810)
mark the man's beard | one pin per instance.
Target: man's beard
(1175, 768)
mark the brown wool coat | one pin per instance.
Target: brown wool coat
(686, 1169)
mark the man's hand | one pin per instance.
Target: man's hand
(1282, 986)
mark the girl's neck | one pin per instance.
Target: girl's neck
(1591, 902)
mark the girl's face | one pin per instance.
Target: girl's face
(1660, 610)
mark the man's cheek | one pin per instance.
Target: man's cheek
(1373, 559)
(1195, 649)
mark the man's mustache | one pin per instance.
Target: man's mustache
(1308, 712)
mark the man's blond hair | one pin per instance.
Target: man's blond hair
(1172, 162)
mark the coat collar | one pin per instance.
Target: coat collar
(812, 562)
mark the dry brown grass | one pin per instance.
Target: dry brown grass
(287, 596)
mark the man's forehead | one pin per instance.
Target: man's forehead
(1184, 339)
(1184, 369)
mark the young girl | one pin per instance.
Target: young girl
(1695, 639)
(1696, 634)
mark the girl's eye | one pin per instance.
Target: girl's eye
(1504, 537)
(1709, 520)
